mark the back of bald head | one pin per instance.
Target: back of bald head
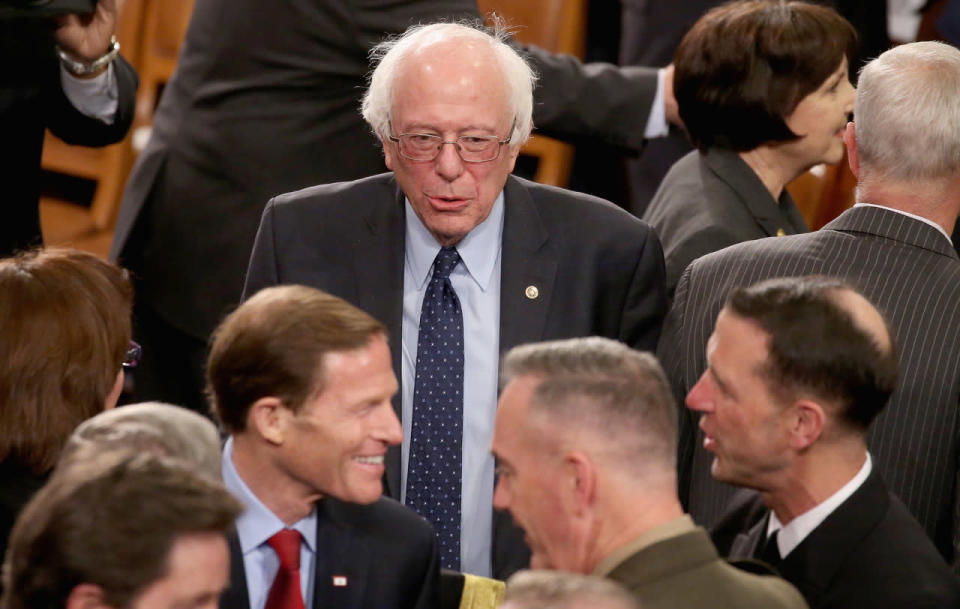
(827, 342)
(607, 395)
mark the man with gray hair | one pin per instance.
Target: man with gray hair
(586, 442)
(894, 245)
(153, 427)
(460, 261)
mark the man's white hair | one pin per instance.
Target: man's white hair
(908, 113)
(388, 56)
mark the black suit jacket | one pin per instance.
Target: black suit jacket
(599, 271)
(911, 273)
(387, 553)
(32, 99)
(711, 200)
(868, 553)
(265, 100)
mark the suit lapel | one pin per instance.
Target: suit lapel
(342, 560)
(235, 596)
(379, 290)
(528, 269)
(747, 545)
(775, 218)
(813, 565)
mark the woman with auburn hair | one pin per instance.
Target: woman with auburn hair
(64, 339)
(763, 89)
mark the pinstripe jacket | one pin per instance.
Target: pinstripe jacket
(912, 274)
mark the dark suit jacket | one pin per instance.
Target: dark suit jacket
(685, 571)
(709, 201)
(17, 485)
(31, 99)
(387, 552)
(265, 100)
(870, 553)
(912, 274)
(599, 270)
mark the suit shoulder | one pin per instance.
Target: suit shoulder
(385, 518)
(904, 567)
(339, 195)
(559, 208)
(751, 590)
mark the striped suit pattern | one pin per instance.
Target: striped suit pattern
(911, 272)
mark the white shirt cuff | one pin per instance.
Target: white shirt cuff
(657, 121)
(94, 97)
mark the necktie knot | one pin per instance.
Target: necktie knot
(286, 544)
(447, 258)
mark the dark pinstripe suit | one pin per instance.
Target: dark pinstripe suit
(912, 274)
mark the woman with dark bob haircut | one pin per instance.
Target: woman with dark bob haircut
(763, 90)
(64, 337)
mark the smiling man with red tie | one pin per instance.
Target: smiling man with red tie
(302, 382)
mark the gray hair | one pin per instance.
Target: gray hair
(602, 385)
(153, 427)
(389, 55)
(557, 590)
(907, 112)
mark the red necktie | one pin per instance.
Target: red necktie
(285, 591)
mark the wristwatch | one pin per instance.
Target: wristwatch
(83, 68)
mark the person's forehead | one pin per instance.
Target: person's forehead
(738, 340)
(450, 66)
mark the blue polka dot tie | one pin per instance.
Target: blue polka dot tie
(433, 473)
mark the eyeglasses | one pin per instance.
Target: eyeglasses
(471, 148)
(132, 357)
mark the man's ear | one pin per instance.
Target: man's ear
(86, 596)
(269, 417)
(387, 153)
(579, 482)
(853, 157)
(807, 419)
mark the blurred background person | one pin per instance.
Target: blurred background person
(162, 429)
(84, 97)
(64, 338)
(558, 590)
(121, 532)
(651, 32)
(764, 92)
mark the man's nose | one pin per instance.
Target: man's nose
(448, 163)
(698, 398)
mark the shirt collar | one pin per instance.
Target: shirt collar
(909, 215)
(257, 523)
(478, 251)
(796, 530)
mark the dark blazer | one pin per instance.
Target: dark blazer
(685, 571)
(386, 551)
(870, 553)
(599, 271)
(265, 100)
(911, 273)
(31, 100)
(712, 200)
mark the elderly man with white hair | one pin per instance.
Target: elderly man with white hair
(461, 261)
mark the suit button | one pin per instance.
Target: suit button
(532, 292)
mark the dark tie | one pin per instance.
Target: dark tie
(771, 551)
(285, 591)
(433, 472)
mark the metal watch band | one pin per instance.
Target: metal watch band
(83, 68)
